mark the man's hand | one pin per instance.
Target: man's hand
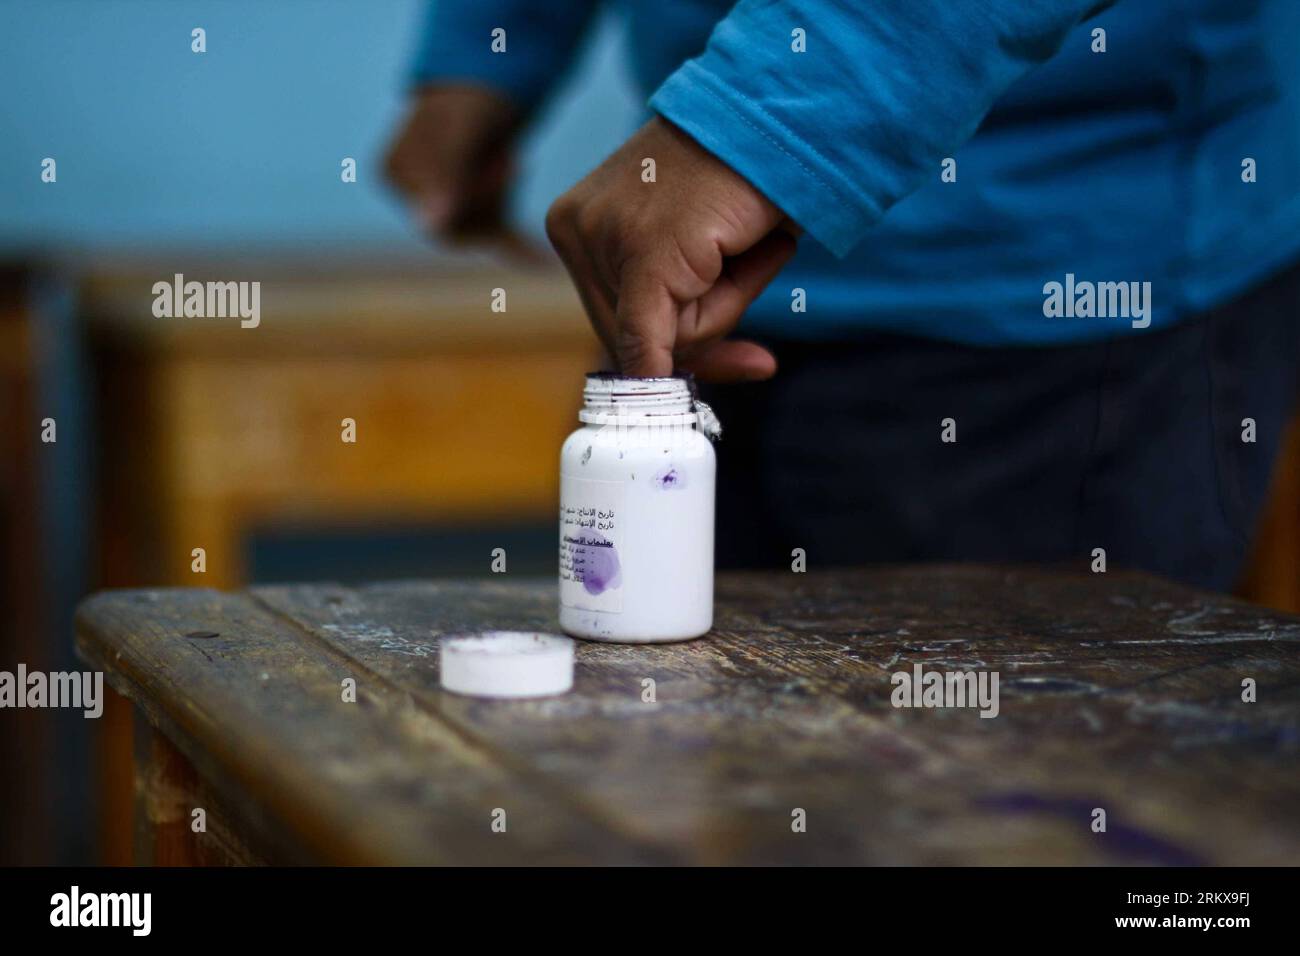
(666, 268)
(452, 162)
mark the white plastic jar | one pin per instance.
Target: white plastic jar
(636, 512)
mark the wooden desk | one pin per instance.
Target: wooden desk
(1116, 691)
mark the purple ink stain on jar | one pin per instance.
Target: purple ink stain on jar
(670, 478)
(601, 570)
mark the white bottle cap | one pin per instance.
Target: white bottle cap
(507, 664)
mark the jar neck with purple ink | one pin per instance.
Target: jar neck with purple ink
(610, 399)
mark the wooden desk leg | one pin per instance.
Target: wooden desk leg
(115, 780)
(168, 790)
(165, 794)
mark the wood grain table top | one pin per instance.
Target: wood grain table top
(1117, 692)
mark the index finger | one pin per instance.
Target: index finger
(646, 324)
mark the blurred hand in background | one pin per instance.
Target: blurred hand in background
(453, 162)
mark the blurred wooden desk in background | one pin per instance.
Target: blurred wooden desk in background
(1272, 576)
(211, 430)
(27, 746)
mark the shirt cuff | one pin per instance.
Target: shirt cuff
(777, 162)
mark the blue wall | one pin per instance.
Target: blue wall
(158, 146)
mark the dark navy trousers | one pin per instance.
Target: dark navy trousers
(1134, 445)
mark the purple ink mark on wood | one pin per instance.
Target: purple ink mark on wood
(601, 570)
(1127, 841)
(670, 478)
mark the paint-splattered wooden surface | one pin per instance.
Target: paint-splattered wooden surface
(1119, 692)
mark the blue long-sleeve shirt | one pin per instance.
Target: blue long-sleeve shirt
(953, 159)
